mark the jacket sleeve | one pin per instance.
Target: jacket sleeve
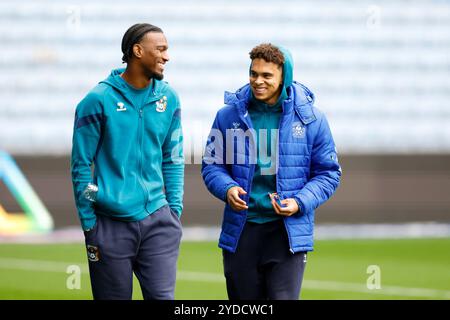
(215, 172)
(86, 137)
(173, 163)
(325, 171)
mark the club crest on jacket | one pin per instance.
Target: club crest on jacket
(298, 130)
(161, 105)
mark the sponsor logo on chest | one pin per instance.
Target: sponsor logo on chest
(121, 107)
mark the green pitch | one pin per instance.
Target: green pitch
(339, 269)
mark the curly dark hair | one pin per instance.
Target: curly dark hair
(268, 52)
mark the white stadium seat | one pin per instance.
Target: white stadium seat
(380, 70)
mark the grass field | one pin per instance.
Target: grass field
(410, 269)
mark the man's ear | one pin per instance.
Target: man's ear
(137, 50)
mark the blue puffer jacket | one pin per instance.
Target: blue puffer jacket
(308, 168)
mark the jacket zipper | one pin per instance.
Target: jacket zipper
(141, 143)
(276, 179)
(252, 172)
(141, 147)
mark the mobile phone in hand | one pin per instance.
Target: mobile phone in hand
(276, 198)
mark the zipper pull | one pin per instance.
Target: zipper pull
(140, 113)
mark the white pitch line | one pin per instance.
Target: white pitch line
(384, 290)
(39, 265)
(200, 276)
(331, 286)
(59, 266)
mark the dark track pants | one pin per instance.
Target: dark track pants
(149, 248)
(262, 266)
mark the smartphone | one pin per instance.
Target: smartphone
(276, 198)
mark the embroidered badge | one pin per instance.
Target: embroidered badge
(236, 125)
(121, 106)
(93, 253)
(161, 105)
(298, 130)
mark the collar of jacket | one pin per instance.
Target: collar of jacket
(157, 86)
(300, 99)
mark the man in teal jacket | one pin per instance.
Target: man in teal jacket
(128, 128)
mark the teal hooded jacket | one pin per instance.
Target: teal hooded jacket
(136, 151)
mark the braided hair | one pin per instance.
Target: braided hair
(134, 35)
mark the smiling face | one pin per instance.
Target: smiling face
(152, 53)
(266, 80)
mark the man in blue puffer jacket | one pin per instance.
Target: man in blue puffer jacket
(271, 157)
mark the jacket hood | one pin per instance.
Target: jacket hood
(297, 93)
(114, 81)
(288, 67)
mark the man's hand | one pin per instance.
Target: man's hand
(290, 207)
(233, 199)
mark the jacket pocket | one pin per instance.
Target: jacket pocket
(99, 202)
(174, 214)
(88, 235)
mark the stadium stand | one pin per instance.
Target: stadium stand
(380, 72)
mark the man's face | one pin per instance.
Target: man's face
(152, 54)
(265, 80)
